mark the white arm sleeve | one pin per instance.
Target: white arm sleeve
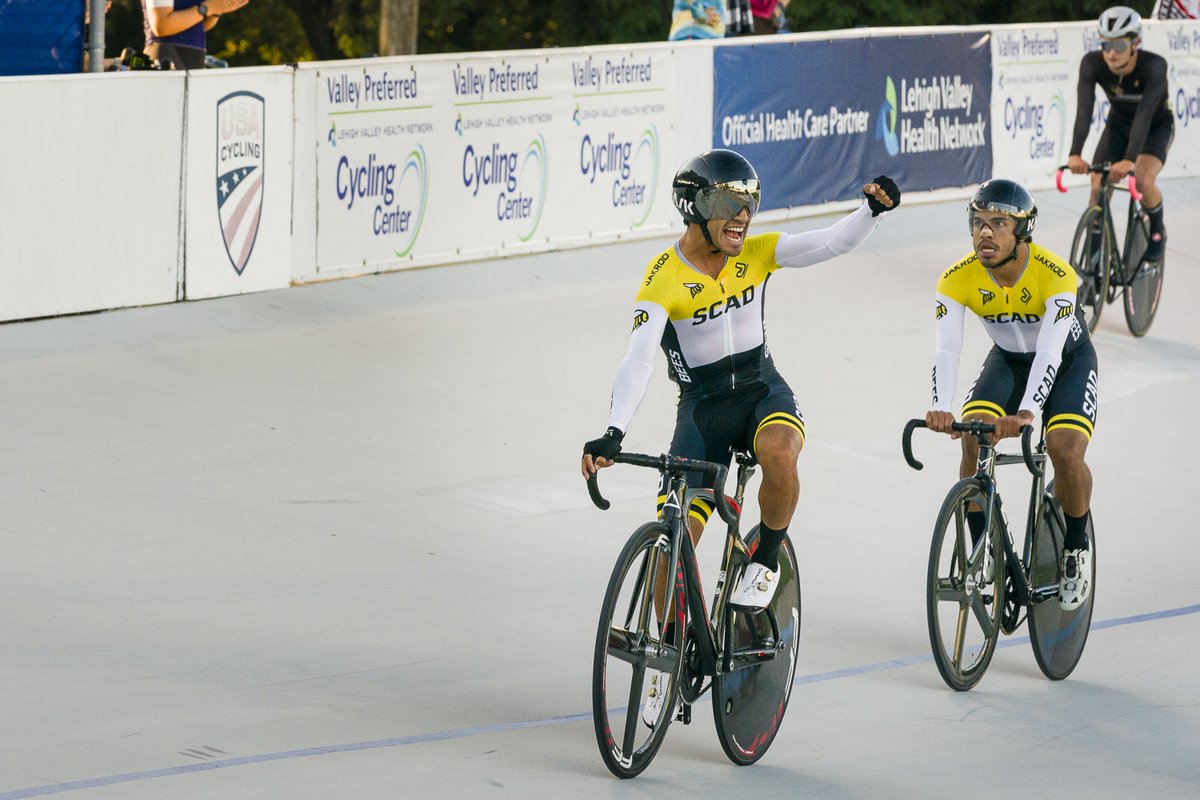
(633, 375)
(812, 247)
(1052, 337)
(949, 327)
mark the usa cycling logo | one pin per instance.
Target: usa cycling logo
(633, 167)
(518, 179)
(241, 155)
(885, 128)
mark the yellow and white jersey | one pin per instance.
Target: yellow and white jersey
(1035, 316)
(712, 330)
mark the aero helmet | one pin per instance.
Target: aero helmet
(1008, 198)
(1120, 22)
(715, 185)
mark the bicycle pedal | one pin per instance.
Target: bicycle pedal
(684, 714)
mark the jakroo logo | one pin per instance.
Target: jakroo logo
(241, 155)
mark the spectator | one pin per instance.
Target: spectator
(175, 29)
(768, 15)
(698, 19)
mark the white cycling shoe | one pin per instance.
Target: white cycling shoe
(1074, 580)
(756, 588)
(656, 697)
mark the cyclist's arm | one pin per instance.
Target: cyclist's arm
(1152, 97)
(1058, 319)
(949, 327)
(812, 247)
(1085, 100)
(633, 374)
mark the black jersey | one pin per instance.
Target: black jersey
(1139, 99)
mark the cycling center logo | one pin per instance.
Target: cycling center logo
(1037, 128)
(414, 186)
(240, 157)
(885, 128)
(395, 195)
(625, 170)
(517, 180)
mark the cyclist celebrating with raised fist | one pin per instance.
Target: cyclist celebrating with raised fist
(701, 301)
(1140, 127)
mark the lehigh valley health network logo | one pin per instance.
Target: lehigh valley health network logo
(885, 127)
(241, 148)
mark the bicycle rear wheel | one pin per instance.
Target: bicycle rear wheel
(629, 642)
(1057, 635)
(749, 703)
(1145, 284)
(963, 604)
(1091, 256)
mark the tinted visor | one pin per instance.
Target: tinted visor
(725, 200)
(1117, 45)
(1004, 208)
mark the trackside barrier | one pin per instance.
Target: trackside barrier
(138, 188)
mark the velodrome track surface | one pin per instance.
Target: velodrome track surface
(330, 542)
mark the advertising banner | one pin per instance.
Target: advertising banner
(1179, 43)
(239, 182)
(820, 118)
(428, 160)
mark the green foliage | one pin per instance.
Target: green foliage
(287, 31)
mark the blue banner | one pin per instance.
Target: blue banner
(818, 119)
(41, 37)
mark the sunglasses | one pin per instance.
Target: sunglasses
(725, 200)
(1115, 45)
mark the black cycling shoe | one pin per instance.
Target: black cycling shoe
(1156, 246)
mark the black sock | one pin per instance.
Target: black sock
(1156, 217)
(975, 522)
(767, 552)
(1076, 538)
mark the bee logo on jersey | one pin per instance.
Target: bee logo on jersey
(987, 296)
(640, 319)
(1065, 309)
(941, 310)
(694, 288)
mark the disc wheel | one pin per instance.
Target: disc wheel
(963, 603)
(1145, 284)
(749, 702)
(1057, 635)
(629, 644)
(1091, 255)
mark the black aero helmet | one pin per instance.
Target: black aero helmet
(1006, 197)
(715, 185)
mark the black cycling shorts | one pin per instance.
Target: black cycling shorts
(707, 428)
(1072, 402)
(1115, 141)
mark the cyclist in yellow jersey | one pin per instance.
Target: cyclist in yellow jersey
(701, 301)
(1042, 360)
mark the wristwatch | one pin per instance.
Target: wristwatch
(203, 9)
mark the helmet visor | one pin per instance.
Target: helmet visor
(1004, 208)
(1115, 45)
(725, 200)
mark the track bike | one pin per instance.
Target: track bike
(654, 618)
(968, 605)
(1103, 271)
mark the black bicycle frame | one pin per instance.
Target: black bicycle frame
(1121, 272)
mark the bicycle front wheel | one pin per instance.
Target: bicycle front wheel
(749, 702)
(1143, 292)
(1057, 635)
(964, 601)
(1091, 257)
(630, 643)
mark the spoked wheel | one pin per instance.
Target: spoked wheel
(749, 703)
(1057, 635)
(1090, 256)
(629, 646)
(963, 602)
(1145, 284)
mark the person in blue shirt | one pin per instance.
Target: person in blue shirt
(175, 29)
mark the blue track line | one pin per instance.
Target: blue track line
(462, 733)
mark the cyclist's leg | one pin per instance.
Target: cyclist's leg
(1070, 415)
(996, 392)
(776, 441)
(1110, 148)
(1149, 163)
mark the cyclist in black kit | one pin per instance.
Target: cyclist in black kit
(1140, 127)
